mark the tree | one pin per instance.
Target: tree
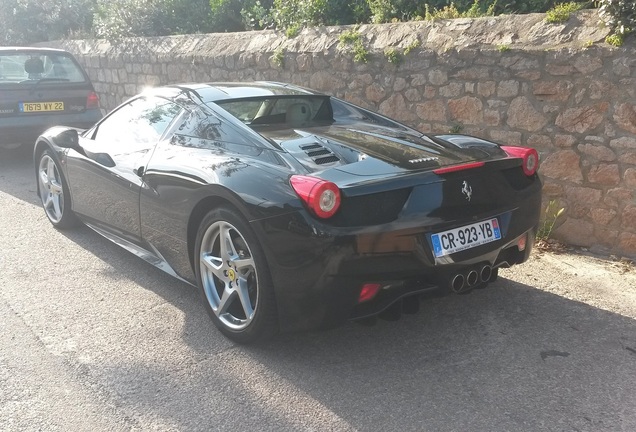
(122, 18)
(29, 21)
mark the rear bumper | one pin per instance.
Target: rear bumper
(318, 271)
(25, 129)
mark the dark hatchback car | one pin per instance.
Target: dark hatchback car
(40, 88)
(291, 209)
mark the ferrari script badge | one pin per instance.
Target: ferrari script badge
(467, 190)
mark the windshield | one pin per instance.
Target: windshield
(26, 68)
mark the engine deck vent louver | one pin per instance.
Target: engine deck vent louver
(319, 154)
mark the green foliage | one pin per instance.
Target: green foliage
(278, 58)
(353, 40)
(393, 56)
(123, 18)
(348, 37)
(447, 12)
(550, 216)
(27, 21)
(477, 11)
(390, 10)
(614, 40)
(503, 47)
(224, 15)
(292, 31)
(456, 128)
(286, 14)
(561, 12)
(620, 16)
(451, 11)
(413, 45)
(256, 17)
(530, 6)
(360, 53)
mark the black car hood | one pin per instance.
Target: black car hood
(368, 150)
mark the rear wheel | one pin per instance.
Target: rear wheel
(234, 279)
(54, 192)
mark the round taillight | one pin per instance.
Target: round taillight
(531, 163)
(320, 196)
(529, 157)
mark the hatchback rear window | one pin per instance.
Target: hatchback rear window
(25, 68)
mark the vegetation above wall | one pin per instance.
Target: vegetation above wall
(29, 21)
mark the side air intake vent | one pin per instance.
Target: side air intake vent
(319, 154)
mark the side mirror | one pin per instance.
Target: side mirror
(68, 139)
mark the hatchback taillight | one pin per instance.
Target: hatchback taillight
(529, 156)
(321, 197)
(92, 101)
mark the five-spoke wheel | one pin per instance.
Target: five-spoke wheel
(233, 277)
(53, 191)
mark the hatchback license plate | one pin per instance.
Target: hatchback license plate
(466, 237)
(32, 107)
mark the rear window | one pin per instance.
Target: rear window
(280, 110)
(25, 68)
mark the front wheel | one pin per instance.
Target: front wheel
(54, 192)
(234, 279)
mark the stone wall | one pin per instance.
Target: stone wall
(513, 79)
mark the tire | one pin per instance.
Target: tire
(54, 192)
(234, 279)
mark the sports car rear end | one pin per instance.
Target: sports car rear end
(417, 213)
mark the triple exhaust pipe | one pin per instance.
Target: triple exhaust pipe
(461, 282)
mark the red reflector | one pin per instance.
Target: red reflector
(521, 243)
(368, 291)
(461, 167)
(92, 101)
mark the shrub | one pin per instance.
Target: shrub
(353, 39)
(619, 15)
(561, 12)
(390, 10)
(120, 18)
(413, 45)
(393, 56)
(28, 21)
(451, 11)
(614, 40)
(278, 57)
(303, 13)
(550, 215)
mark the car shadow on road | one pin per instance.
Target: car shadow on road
(507, 357)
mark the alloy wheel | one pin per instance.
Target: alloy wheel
(51, 190)
(228, 275)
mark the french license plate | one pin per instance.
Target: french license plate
(32, 107)
(466, 237)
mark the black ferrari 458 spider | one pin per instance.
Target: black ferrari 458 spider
(288, 208)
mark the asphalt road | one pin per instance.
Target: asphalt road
(94, 339)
